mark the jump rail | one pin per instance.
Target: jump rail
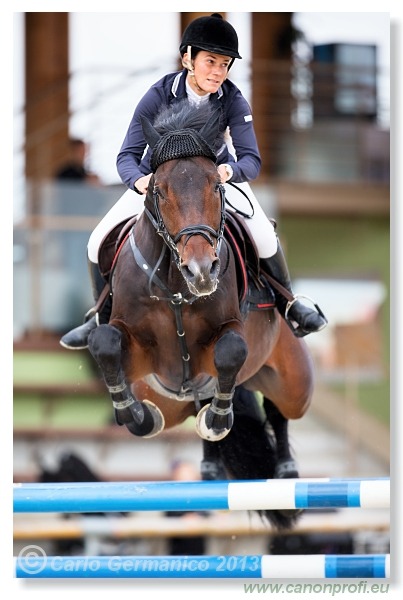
(207, 567)
(216, 525)
(190, 496)
(278, 494)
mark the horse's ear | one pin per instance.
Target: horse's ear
(151, 135)
(210, 129)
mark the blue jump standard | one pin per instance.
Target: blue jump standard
(205, 567)
(201, 495)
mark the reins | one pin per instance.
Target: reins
(237, 210)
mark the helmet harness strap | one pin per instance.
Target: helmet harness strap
(189, 66)
(191, 69)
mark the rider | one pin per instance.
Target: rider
(208, 49)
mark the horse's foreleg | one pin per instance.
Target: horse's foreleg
(141, 418)
(286, 466)
(215, 420)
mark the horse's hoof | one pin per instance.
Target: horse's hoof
(204, 432)
(212, 470)
(158, 422)
(286, 469)
(130, 411)
(292, 514)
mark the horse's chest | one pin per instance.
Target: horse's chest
(204, 387)
(166, 331)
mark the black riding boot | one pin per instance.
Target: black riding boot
(301, 319)
(77, 339)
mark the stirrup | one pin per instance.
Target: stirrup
(297, 329)
(92, 312)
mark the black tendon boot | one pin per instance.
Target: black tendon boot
(77, 339)
(301, 319)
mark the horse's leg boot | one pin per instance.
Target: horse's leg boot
(77, 339)
(301, 319)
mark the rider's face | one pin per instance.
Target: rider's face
(210, 71)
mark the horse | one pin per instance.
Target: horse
(180, 342)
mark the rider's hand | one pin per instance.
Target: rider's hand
(141, 184)
(225, 172)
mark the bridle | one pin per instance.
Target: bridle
(211, 235)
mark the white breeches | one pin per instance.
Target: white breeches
(132, 203)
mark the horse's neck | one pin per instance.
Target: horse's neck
(147, 239)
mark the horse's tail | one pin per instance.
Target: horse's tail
(249, 452)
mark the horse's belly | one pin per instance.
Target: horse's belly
(200, 388)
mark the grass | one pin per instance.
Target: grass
(51, 368)
(70, 410)
(371, 398)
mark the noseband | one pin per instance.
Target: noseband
(207, 232)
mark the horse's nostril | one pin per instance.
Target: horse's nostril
(202, 272)
(215, 267)
(187, 272)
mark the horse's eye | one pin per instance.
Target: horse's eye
(158, 194)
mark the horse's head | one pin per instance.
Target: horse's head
(185, 200)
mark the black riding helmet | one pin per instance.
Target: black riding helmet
(212, 34)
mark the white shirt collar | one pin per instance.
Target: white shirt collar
(195, 98)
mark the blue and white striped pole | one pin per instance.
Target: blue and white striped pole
(273, 494)
(206, 567)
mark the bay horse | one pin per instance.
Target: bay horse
(178, 343)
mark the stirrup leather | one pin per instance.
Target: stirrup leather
(92, 312)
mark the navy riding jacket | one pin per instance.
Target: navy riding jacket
(236, 113)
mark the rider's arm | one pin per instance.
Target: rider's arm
(243, 139)
(131, 162)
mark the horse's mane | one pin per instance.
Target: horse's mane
(183, 115)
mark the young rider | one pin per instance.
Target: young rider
(208, 48)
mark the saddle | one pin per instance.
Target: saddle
(255, 292)
(111, 246)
